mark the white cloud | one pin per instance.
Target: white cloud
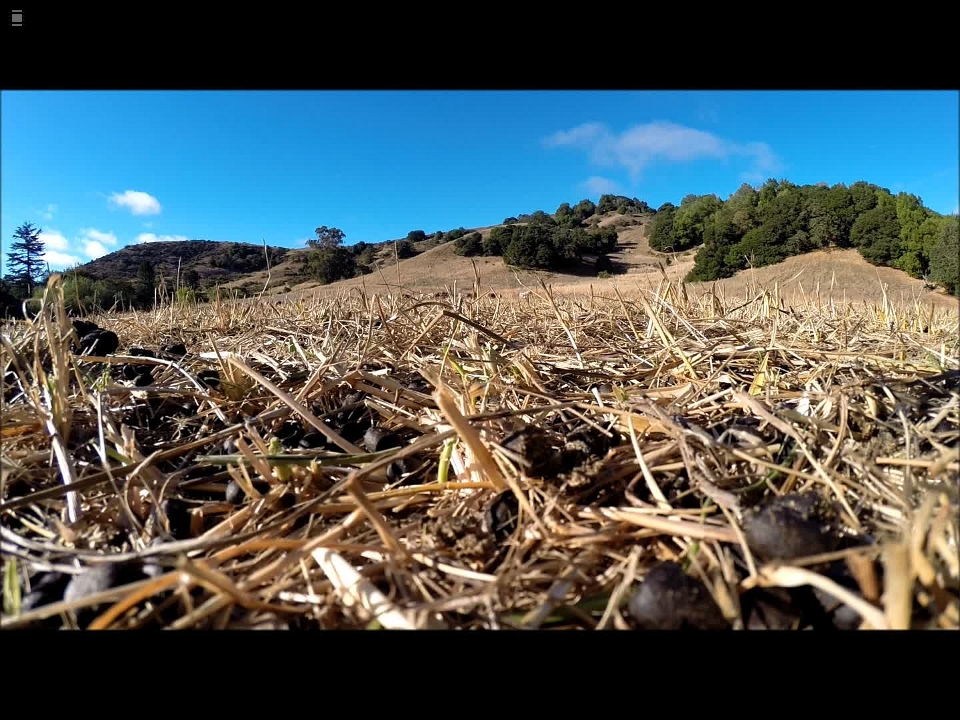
(596, 186)
(642, 145)
(95, 243)
(52, 240)
(138, 203)
(49, 212)
(60, 260)
(151, 238)
(148, 225)
(93, 249)
(102, 238)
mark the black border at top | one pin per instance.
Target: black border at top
(321, 46)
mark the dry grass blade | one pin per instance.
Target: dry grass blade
(355, 590)
(470, 437)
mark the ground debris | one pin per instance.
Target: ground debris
(615, 421)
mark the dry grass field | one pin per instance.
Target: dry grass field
(627, 453)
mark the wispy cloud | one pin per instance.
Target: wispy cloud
(151, 238)
(597, 186)
(138, 203)
(640, 146)
(49, 212)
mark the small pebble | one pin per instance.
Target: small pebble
(376, 439)
(669, 599)
(398, 468)
(235, 495)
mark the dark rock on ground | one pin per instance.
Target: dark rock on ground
(398, 468)
(234, 493)
(99, 342)
(131, 371)
(538, 457)
(502, 515)
(178, 515)
(669, 599)
(792, 526)
(376, 439)
(176, 349)
(313, 441)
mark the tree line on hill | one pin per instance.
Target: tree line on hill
(757, 227)
(535, 240)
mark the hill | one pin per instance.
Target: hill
(842, 275)
(209, 262)
(845, 237)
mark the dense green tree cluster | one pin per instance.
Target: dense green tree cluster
(572, 216)
(541, 245)
(454, 235)
(469, 245)
(330, 264)
(764, 226)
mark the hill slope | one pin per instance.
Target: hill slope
(840, 275)
(213, 262)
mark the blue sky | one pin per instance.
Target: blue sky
(100, 170)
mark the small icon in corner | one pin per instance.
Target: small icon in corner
(16, 18)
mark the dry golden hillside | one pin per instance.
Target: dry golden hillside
(839, 275)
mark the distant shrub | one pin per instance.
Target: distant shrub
(469, 245)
